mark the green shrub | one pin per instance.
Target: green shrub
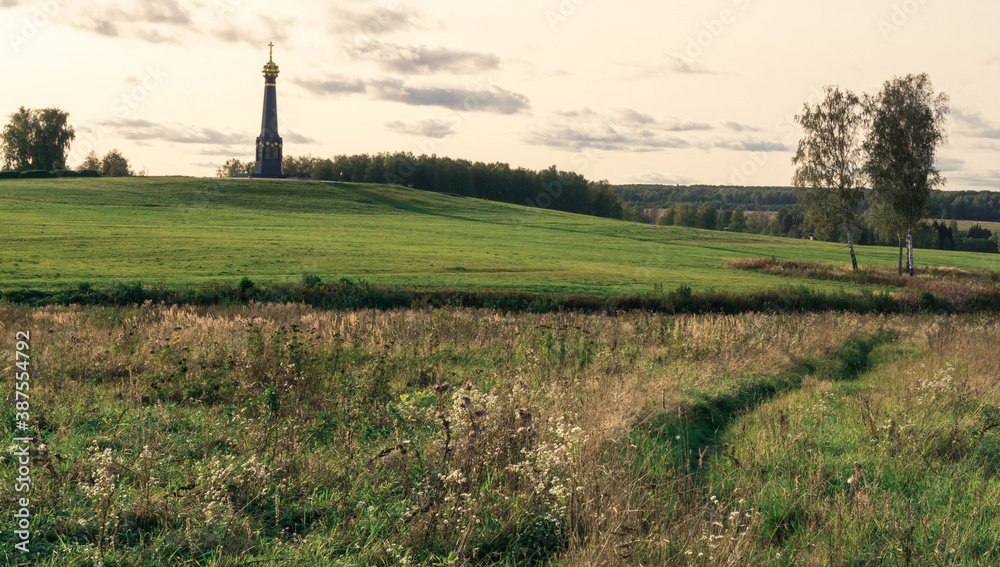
(37, 174)
(126, 293)
(682, 298)
(928, 300)
(311, 280)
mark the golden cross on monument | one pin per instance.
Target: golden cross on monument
(271, 45)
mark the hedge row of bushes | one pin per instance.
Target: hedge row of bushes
(43, 174)
(347, 294)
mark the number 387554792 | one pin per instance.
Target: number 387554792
(22, 360)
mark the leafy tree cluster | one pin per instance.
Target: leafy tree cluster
(887, 141)
(947, 236)
(548, 188)
(36, 143)
(786, 221)
(36, 139)
(235, 168)
(113, 164)
(977, 231)
(705, 216)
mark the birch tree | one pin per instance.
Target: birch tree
(829, 162)
(907, 126)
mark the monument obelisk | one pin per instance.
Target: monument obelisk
(268, 162)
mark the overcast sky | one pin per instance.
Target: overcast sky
(633, 91)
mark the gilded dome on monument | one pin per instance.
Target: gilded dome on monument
(270, 69)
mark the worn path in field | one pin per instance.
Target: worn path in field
(701, 425)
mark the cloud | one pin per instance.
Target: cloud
(492, 99)
(634, 117)
(969, 119)
(683, 66)
(666, 66)
(336, 84)
(293, 137)
(144, 130)
(226, 151)
(975, 125)
(376, 19)
(162, 12)
(619, 129)
(601, 137)
(987, 178)
(274, 28)
(177, 21)
(138, 129)
(427, 127)
(148, 21)
(950, 164)
(748, 145)
(579, 112)
(488, 99)
(653, 178)
(418, 59)
(988, 145)
(631, 116)
(738, 127)
(627, 129)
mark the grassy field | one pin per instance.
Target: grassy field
(176, 231)
(284, 435)
(280, 434)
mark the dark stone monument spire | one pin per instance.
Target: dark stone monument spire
(268, 162)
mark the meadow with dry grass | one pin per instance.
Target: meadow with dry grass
(287, 435)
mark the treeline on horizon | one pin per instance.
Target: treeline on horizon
(645, 196)
(983, 206)
(546, 189)
(775, 212)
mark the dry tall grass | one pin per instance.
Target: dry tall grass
(288, 435)
(932, 288)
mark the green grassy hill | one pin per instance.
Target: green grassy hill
(176, 231)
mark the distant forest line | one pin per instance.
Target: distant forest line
(981, 206)
(547, 189)
(775, 211)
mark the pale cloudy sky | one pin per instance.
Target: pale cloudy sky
(669, 91)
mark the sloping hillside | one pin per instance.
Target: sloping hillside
(174, 231)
